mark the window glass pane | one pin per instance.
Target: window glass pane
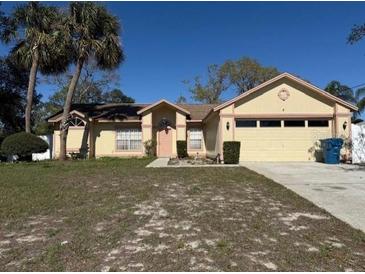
(195, 138)
(294, 123)
(245, 123)
(270, 123)
(129, 139)
(317, 123)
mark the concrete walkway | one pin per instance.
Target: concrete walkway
(159, 162)
(339, 189)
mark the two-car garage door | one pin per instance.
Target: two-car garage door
(280, 140)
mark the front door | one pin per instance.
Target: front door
(164, 146)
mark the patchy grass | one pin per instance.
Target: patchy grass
(116, 215)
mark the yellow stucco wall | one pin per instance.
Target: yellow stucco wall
(284, 143)
(146, 128)
(301, 100)
(343, 121)
(211, 135)
(105, 139)
(180, 126)
(75, 139)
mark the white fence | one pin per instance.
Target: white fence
(358, 144)
(46, 155)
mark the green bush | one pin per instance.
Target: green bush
(182, 149)
(231, 152)
(150, 147)
(23, 145)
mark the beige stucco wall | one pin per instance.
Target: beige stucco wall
(301, 100)
(212, 135)
(284, 143)
(146, 128)
(343, 115)
(105, 139)
(75, 138)
(180, 126)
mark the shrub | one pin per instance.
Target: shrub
(150, 147)
(231, 152)
(23, 145)
(182, 149)
(2, 156)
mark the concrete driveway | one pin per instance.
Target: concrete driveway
(339, 189)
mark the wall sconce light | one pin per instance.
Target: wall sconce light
(344, 126)
(227, 126)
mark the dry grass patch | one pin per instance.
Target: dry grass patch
(115, 214)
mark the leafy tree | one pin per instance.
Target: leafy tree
(356, 34)
(242, 74)
(181, 100)
(35, 30)
(116, 96)
(39, 117)
(246, 73)
(93, 32)
(210, 92)
(13, 86)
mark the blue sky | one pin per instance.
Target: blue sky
(168, 42)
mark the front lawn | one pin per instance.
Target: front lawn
(116, 215)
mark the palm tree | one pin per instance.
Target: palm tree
(346, 93)
(94, 33)
(360, 101)
(35, 30)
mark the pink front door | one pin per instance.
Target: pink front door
(164, 146)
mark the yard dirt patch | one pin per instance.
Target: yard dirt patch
(116, 215)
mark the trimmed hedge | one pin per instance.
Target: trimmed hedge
(231, 152)
(182, 149)
(23, 145)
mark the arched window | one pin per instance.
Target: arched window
(76, 122)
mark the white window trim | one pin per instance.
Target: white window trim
(77, 126)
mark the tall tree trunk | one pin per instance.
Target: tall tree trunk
(67, 108)
(31, 85)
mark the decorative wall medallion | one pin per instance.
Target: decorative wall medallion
(284, 94)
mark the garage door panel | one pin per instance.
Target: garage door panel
(279, 144)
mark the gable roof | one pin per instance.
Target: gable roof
(295, 79)
(163, 101)
(128, 111)
(198, 111)
(103, 111)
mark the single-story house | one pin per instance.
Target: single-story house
(279, 120)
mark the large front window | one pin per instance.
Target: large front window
(195, 138)
(129, 139)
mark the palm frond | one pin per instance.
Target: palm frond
(360, 93)
(361, 105)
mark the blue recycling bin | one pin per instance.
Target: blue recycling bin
(331, 150)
